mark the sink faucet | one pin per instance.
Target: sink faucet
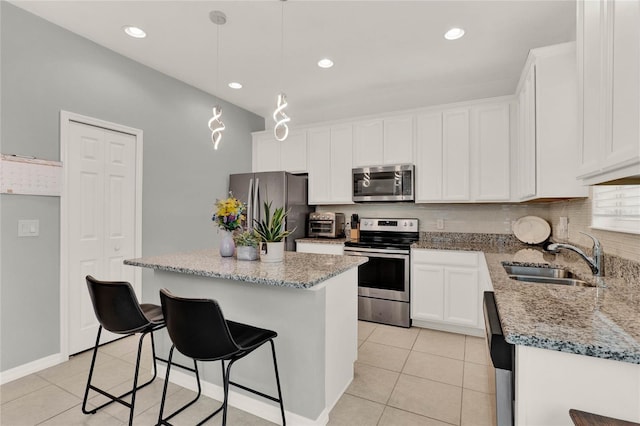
(596, 263)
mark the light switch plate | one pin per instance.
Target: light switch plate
(28, 228)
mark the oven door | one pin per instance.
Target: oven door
(385, 275)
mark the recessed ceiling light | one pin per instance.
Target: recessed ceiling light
(134, 32)
(235, 85)
(325, 63)
(454, 34)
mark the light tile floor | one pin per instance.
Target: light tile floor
(403, 377)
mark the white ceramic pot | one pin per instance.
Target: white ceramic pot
(246, 253)
(272, 252)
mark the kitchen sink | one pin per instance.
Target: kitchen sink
(537, 271)
(551, 280)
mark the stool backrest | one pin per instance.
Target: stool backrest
(197, 327)
(116, 306)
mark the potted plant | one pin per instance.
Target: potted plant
(246, 245)
(271, 230)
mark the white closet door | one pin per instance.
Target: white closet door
(101, 192)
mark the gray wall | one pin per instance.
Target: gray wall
(45, 69)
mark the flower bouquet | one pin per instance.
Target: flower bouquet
(229, 216)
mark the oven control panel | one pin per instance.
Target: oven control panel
(389, 225)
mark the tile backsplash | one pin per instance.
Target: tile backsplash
(497, 219)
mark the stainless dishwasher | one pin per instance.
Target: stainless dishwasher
(503, 359)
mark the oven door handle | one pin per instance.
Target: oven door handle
(391, 254)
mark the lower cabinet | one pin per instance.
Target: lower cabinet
(446, 290)
(320, 248)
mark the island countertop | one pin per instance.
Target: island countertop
(601, 321)
(297, 270)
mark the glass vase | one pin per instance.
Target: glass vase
(227, 246)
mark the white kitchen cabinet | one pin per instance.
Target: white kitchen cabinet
(330, 164)
(463, 154)
(319, 248)
(289, 155)
(490, 152)
(383, 141)
(368, 143)
(548, 130)
(608, 34)
(446, 290)
(398, 140)
(428, 177)
(455, 155)
(526, 140)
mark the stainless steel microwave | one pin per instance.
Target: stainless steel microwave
(384, 183)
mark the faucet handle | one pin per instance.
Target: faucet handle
(597, 247)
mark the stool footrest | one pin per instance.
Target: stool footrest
(254, 391)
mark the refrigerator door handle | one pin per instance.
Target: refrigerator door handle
(249, 211)
(256, 200)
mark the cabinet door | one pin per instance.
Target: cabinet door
(527, 138)
(461, 296)
(368, 143)
(624, 147)
(591, 27)
(266, 153)
(341, 164)
(427, 292)
(293, 152)
(429, 157)
(455, 155)
(319, 165)
(491, 154)
(398, 140)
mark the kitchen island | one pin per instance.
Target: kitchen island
(310, 300)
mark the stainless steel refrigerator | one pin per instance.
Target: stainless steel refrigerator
(283, 190)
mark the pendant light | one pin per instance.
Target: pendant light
(281, 129)
(215, 124)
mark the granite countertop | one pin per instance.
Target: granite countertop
(601, 321)
(322, 240)
(298, 270)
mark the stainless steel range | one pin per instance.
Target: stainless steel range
(384, 281)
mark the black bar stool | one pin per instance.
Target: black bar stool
(118, 311)
(199, 331)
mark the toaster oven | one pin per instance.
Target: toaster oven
(326, 225)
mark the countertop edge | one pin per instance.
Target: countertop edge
(246, 278)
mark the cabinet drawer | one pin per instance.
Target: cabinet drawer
(445, 257)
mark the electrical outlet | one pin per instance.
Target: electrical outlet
(439, 223)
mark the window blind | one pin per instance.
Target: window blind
(616, 208)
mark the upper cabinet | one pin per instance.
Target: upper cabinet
(271, 155)
(547, 142)
(490, 148)
(463, 154)
(383, 141)
(330, 164)
(608, 35)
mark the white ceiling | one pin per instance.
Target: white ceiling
(389, 55)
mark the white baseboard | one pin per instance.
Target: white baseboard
(243, 402)
(31, 367)
(460, 329)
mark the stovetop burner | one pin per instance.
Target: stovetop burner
(386, 233)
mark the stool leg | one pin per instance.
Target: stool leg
(93, 363)
(226, 378)
(275, 367)
(135, 377)
(166, 383)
